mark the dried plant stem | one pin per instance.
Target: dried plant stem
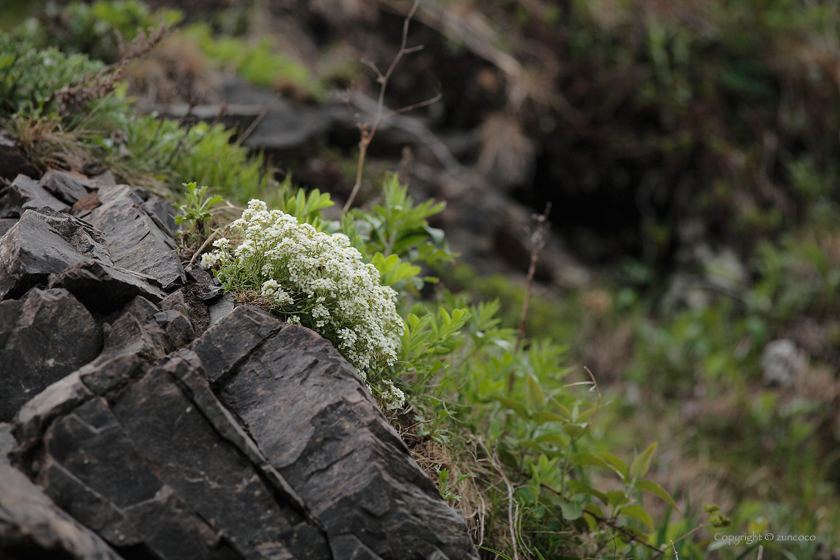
(204, 245)
(257, 121)
(538, 239)
(511, 516)
(369, 131)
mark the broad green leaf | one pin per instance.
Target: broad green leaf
(620, 465)
(584, 458)
(590, 519)
(638, 535)
(486, 386)
(640, 466)
(657, 490)
(574, 430)
(536, 395)
(531, 444)
(617, 498)
(515, 406)
(571, 510)
(639, 513)
(544, 416)
(587, 414)
(579, 487)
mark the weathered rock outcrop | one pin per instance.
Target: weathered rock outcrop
(138, 432)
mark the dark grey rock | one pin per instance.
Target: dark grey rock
(106, 179)
(177, 325)
(97, 474)
(221, 308)
(25, 194)
(32, 526)
(135, 332)
(174, 318)
(86, 204)
(7, 441)
(107, 373)
(13, 160)
(143, 309)
(105, 289)
(320, 428)
(223, 487)
(44, 243)
(52, 336)
(6, 224)
(63, 187)
(289, 129)
(232, 339)
(203, 287)
(59, 398)
(134, 240)
(163, 213)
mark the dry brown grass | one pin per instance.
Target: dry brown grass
(49, 146)
(175, 71)
(507, 154)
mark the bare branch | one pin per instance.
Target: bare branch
(257, 121)
(373, 67)
(368, 133)
(425, 103)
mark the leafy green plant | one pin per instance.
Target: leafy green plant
(196, 211)
(446, 483)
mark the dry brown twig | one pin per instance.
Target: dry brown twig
(511, 515)
(72, 99)
(369, 130)
(538, 240)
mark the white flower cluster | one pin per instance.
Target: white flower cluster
(318, 280)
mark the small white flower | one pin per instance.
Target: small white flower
(325, 280)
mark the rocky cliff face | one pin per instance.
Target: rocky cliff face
(143, 416)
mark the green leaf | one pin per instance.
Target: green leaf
(515, 406)
(544, 416)
(574, 430)
(571, 510)
(579, 487)
(640, 466)
(536, 395)
(584, 458)
(638, 513)
(590, 519)
(619, 465)
(657, 490)
(617, 498)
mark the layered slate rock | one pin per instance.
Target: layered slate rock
(134, 331)
(43, 243)
(32, 526)
(43, 337)
(63, 186)
(25, 194)
(232, 339)
(318, 425)
(148, 458)
(133, 238)
(257, 442)
(103, 288)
